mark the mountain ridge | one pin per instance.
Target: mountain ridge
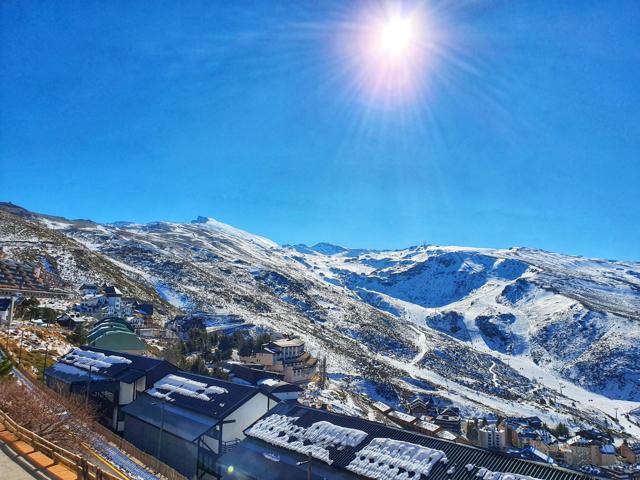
(476, 326)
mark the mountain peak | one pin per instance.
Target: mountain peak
(213, 224)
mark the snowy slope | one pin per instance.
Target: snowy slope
(498, 329)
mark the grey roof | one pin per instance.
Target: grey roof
(176, 420)
(458, 455)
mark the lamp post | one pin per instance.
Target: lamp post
(308, 464)
(163, 401)
(20, 351)
(44, 366)
(86, 400)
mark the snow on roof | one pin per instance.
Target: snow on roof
(270, 382)
(389, 459)
(485, 474)
(383, 407)
(92, 361)
(446, 435)
(279, 430)
(608, 448)
(405, 417)
(184, 386)
(432, 427)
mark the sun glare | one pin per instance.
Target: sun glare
(396, 37)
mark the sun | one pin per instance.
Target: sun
(397, 36)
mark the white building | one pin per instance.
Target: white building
(491, 437)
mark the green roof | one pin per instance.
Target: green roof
(119, 340)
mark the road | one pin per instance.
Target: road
(113, 456)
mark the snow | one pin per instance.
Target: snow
(279, 430)
(174, 384)
(383, 458)
(230, 231)
(270, 382)
(170, 295)
(92, 361)
(383, 407)
(404, 417)
(485, 474)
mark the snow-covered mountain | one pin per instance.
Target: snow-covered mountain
(519, 331)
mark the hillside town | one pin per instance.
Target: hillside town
(212, 395)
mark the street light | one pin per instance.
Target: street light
(162, 402)
(86, 401)
(308, 464)
(20, 352)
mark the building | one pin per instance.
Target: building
(270, 382)
(295, 442)
(114, 299)
(188, 420)
(402, 418)
(287, 356)
(250, 373)
(142, 314)
(531, 453)
(588, 450)
(114, 333)
(382, 407)
(112, 379)
(89, 289)
(630, 451)
(491, 437)
(422, 406)
(30, 280)
(280, 390)
(449, 419)
(211, 322)
(6, 310)
(70, 321)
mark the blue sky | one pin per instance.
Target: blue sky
(528, 133)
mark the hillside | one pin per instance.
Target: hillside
(497, 329)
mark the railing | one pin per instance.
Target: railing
(75, 463)
(229, 445)
(146, 458)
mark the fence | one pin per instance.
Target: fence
(143, 457)
(74, 463)
(147, 459)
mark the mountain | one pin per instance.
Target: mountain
(517, 331)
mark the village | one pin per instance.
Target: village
(212, 395)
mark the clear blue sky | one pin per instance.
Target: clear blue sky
(247, 112)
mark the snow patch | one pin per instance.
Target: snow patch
(281, 431)
(183, 386)
(92, 361)
(389, 459)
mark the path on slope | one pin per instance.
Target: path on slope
(10, 468)
(101, 446)
(422, 342)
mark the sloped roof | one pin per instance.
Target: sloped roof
(462, 462)
(113, 321)
(120, 341)
(252, 375)
(109, 364)
(179, 421)
(206, 395)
